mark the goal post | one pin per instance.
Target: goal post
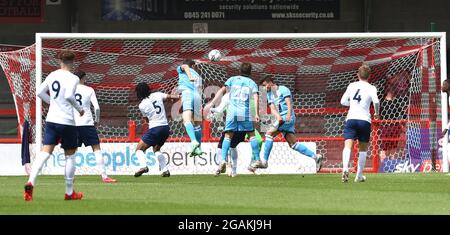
(38, 81)
(316, 67)
(444, 101)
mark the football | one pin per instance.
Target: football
(214, 55)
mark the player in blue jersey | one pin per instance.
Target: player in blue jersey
(190, 85)
(239, 118)
(279, 99)
(238, 137)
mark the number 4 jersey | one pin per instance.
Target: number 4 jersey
(61, 85)
(85, 96)
(358, 96)
(152, 107)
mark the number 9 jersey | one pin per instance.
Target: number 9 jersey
(152, 107)
(61, 85)
(358, 96)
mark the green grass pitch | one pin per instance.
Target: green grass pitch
(245, 194)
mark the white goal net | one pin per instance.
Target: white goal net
(406, 69)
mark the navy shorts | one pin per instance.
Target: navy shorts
(54, 133)
(87, 135)
(156, 136)
(357, 129)
(238, 137)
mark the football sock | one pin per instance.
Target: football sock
(218, 155)
(234, 156)
(345, 159)
(301, 148)
(191, 131)
(100, 163)
(69, 173)
(141, 158)
(225, 147)
(198, 133)
(39, 162)
(268, 147)
(162, 161)
(255, 148)
(361, 163)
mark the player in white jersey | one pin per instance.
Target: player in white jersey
(59, 124)
(87, 133)
(152, 108)
(358, 96)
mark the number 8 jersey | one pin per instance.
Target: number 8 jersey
(84, 96)
(152, 107)
(358, 96)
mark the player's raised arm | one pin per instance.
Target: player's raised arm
(185, 67)
(172, 97)
(223, 104)
(216, 98)
(43, 92)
